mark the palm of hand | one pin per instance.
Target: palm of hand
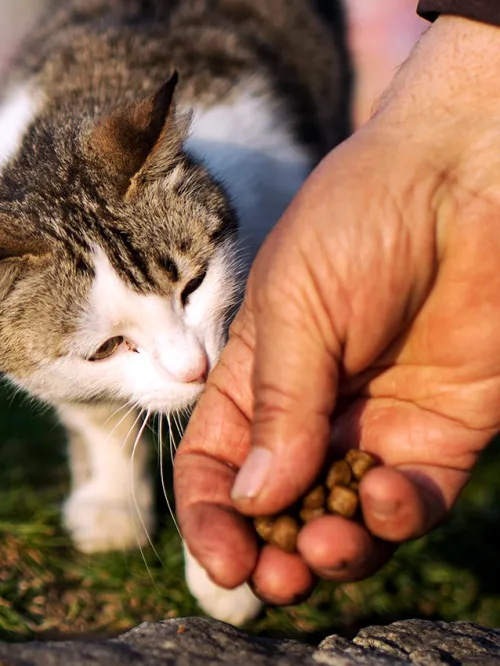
(392, 315)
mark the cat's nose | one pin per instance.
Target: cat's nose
(194, 372)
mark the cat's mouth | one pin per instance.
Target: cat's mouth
(183, 398)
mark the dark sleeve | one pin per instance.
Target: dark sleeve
(487, 11)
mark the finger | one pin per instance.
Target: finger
(219, 538)
(342, 550)
(215, 444)
(280, 578)
(295, 381)
(220, 424)
(407, 502)
(430, 455)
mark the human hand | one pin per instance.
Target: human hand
(377, 296)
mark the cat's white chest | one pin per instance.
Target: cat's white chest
(248, 146)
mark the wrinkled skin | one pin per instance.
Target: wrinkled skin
(377, 295)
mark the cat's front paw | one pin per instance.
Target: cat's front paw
(98, 522)
(236, 606)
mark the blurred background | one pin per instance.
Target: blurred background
(49, 590)
(16, 18)
(382, 34)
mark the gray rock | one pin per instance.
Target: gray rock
(202, 642)
(418, 641)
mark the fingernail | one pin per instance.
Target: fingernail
(252, 476)
(381, 509)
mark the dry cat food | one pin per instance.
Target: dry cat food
(337, 494)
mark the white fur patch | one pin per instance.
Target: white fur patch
(174, 345)
(248, 146)
(169, 346)
(234, 606)
(17, 112)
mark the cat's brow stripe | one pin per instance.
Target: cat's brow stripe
(169, 265)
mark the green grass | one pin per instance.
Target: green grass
(48, 590)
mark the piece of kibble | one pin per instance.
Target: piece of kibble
(338, 474)
(337, 493)
(264, 526)
(306, 515)
(284, 534)
(315, 499)
(360, 462)
(342, 501)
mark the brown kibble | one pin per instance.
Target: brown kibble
(339, 474)
(360, 462)
(343, 501)
(337, 493)
(284, 533)
(315, 499)
(264, 527)
(306, 515)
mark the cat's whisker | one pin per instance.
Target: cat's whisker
(25, 396)
(127, 404)
(180, 414)
(110, 434)
(162, 477)
(185, 413)
(141, 412)
(171, 441)
(159, 417)
(179, 428)
(151, 429)
(136, 504)
(117, 425)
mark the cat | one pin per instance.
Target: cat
(143, 144)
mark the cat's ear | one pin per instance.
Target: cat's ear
(17, 251)
(136, 139)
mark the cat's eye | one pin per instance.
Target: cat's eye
(107, 349)
(191, 287)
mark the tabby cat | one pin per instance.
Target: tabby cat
(143, 144)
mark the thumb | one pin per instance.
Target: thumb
(294, 376)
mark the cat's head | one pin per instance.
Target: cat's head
(116, 260)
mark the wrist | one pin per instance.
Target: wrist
(448, 91)
(442, 110)
(455, 62)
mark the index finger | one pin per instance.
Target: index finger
(214, 447)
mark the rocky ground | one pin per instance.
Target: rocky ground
(203, 642)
